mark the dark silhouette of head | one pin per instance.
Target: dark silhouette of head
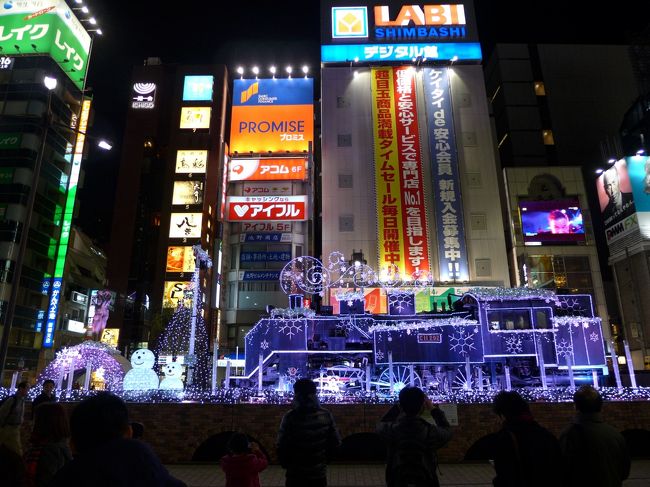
(510, 405)
(304, 387)
(22, 389)
(50, 423)
(98, 420)
(411, 400)
(238, 443)
(588, 400)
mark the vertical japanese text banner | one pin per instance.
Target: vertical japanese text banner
(452, 250)
(387, 178)
(415, 232)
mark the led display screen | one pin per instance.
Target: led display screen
(551, 222)
(198, 88)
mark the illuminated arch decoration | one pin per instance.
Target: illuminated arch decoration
(100, 356)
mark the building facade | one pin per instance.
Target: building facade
(42, 132)
(167, 197)
(409, 174)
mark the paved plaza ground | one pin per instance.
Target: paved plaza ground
(465, 474)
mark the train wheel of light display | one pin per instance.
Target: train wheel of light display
(341, 378)
(460, 381)
(401, 378)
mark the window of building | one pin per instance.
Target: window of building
(548, 137)
(540, 89)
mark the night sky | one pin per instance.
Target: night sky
(283, 32)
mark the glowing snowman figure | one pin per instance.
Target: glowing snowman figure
(141, 377)
(173, 372)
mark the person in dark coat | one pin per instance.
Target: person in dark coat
(307, 435)
(104, 453)
(595, 453)
(244, 463)
(49, 450)
(46, 395)
(412, 439)
(525, 453)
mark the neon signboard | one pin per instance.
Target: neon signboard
(264, 208)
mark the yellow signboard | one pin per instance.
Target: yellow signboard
(174, 293)
(387, 173)
(195, 117)
(110, 336)
(180, 259)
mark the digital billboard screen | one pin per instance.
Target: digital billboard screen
(616, 201)
(551, 222)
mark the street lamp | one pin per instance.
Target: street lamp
(46, 121)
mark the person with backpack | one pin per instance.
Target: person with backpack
(243, 464)
(412, 440)
(525, 453)
(307, 435)
(12, 414)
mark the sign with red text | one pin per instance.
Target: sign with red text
(267, 169)
(252, 208)
(414, 229)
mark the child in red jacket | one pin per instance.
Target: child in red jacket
(244, 463)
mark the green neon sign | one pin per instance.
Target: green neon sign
(46, 27)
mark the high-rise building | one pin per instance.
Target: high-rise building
(42, 132)
(409, 174)
(556, 112)
(270, 203)
(168, 196)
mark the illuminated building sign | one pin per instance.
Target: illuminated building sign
(185, 225)
(265, 237)
(174, 293)
(110, 336)
(187, 193)
(452, 249)
(264, 257)
(180, 259)
(224, 185)
(198, 88)
(370, 53)
(272, 115)
(267, 169)
(252, 208)
(392, 31)
(29, 27)
(266, 227)
(76, 326)
(266, 188)
(10, 140)
(66, 224)
(191, 161)
(639, 171)
(195, 117)
(143, 96)
(6, 62)
(259, 275)
(617, 203)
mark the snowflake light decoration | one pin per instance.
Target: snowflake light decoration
(399, 300)
(290, 328)
(594, 337)
(573, 306)
(462, 342)
(513, 345)
(264, 345)
(379, 355)
(564, 349)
